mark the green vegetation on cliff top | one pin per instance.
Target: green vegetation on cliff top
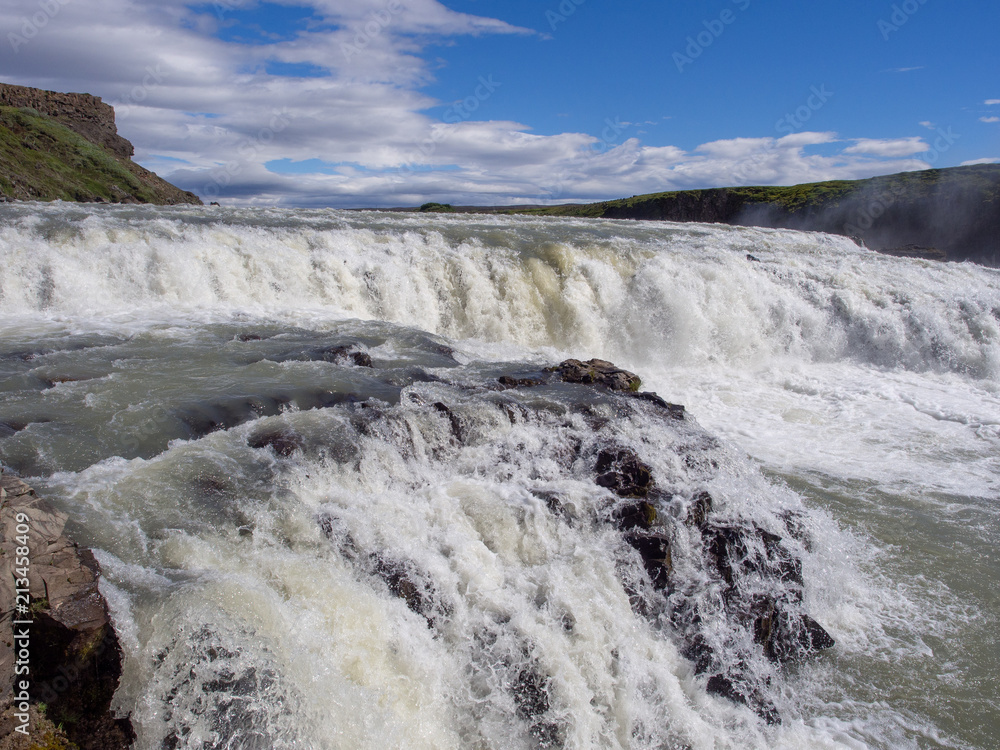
(41, 159)
(983, 179)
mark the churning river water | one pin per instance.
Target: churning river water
(322, 523)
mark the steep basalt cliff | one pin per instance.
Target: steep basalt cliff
(56, 146)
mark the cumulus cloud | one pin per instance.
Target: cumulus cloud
(893, 147)
(989, 119)
(347, 124)
(974, 162)
(991, 102)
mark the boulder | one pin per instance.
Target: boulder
(654, 549)
(621, 471)
(641, 515)
(509, 381)
(72, 650)
(598, 372)
(283, 442)
(674, 411)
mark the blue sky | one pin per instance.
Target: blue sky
(398, 102)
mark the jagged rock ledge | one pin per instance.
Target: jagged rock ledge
(73, 655)
(675, 548)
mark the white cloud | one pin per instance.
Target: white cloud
(991, 102)
(974, 162)
(205, 114)
(927, 124)
(889, 148)
(989, 119)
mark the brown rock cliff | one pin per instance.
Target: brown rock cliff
(82, 113)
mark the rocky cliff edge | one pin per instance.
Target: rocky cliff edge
(56, 146)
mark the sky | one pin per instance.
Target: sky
(377, 103)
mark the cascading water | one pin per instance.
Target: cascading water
(324, 522)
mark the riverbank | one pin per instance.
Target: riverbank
(60, 659)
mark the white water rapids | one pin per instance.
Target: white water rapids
(251, 589)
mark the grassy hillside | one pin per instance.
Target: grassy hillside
(41, 159)
(982, 180)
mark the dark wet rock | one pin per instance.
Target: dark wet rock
(248, 337)
(790, 636)
(509, 381)
(23, 356)
(202, 419)
(403, 579)
(621, 471)
(795, 525)
(728, 687)
(530, 691)
(654, 548)
(554, 501)
(515, 411)
(61, 380)
(753, 258)
(349, 353)
(731, 591)
(12, 427)
(75, 657)
(284, 442)
(456, 423)
(675, 411)
(740, 551)
(763, 595)
(641, 515)
(404, 583)
(698, 512)
(598, 372)
(340, 354)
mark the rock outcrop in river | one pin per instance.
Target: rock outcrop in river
(60, 659)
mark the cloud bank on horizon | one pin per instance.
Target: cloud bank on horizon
(398, 102)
